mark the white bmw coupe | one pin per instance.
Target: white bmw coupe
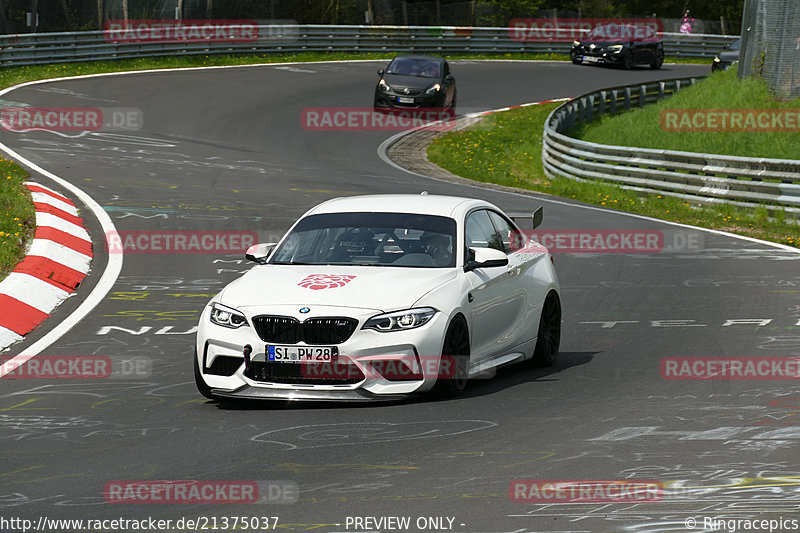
(381, 297)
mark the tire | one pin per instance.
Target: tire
(576, 61)
(202, 387)
(455, 349)
(548, 337)
(627, 60)
(453, 102)
(658, 61)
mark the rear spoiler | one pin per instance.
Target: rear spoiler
(535, 217)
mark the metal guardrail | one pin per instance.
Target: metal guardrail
(44, 48)
(744, 181)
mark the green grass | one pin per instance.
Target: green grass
(642, 127)
(17, 215)
(505, 148)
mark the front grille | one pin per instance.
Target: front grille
(411, 92)
(295, 373)
(289, 330)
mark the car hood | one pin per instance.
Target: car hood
(729, 56)
(412, 82)
(364, 287)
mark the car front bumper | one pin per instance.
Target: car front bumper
(366, 355)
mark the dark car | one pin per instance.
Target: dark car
(729, 56)
(623, 45)
(414, 82)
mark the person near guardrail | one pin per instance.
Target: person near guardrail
(686, 27)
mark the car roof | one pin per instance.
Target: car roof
(424, 204)
(429, 58)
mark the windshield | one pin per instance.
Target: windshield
(374, 239)
(423, 68)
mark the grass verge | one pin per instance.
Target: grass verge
(505, 148)
(17, 216)
(643, 128)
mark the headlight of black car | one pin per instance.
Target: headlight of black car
(383, 86)
(433, 89)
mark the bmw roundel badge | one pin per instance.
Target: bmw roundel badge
(305, 310)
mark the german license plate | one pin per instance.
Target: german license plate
(591, 59)
(300, 354)
(405, 99)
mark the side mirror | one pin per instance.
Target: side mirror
(381, 72)
(538, 216)
(259, 253)
(485, 258)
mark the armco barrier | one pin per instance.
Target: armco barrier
(44, 48)
(743, 181)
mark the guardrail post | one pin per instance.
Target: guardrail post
(642, 95)
(602, 104)
(612, 108)
(589, 108)
(627, 93)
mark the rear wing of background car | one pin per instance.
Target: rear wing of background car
(520, 219)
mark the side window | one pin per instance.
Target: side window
(446, 69)
(510, 236)
(480, 232)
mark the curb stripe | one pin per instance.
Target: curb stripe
(47, 208)
(33, 292)
(20, 317)
(35, 187)
(52, 221)
(52, 272)
(60, 253)
(57, 260)
(62, 237)
(40, 197)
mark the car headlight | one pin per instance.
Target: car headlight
(576, 43)
(614, 48)
(400, 320)
(433, 89)
(716, 59)
(227, 317)
(383, 86)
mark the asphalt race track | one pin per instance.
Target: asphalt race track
(223, 149)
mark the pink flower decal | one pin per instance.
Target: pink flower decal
(316, 282)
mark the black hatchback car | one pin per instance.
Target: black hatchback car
(414, 82)
(622, 45)
(729, 56)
